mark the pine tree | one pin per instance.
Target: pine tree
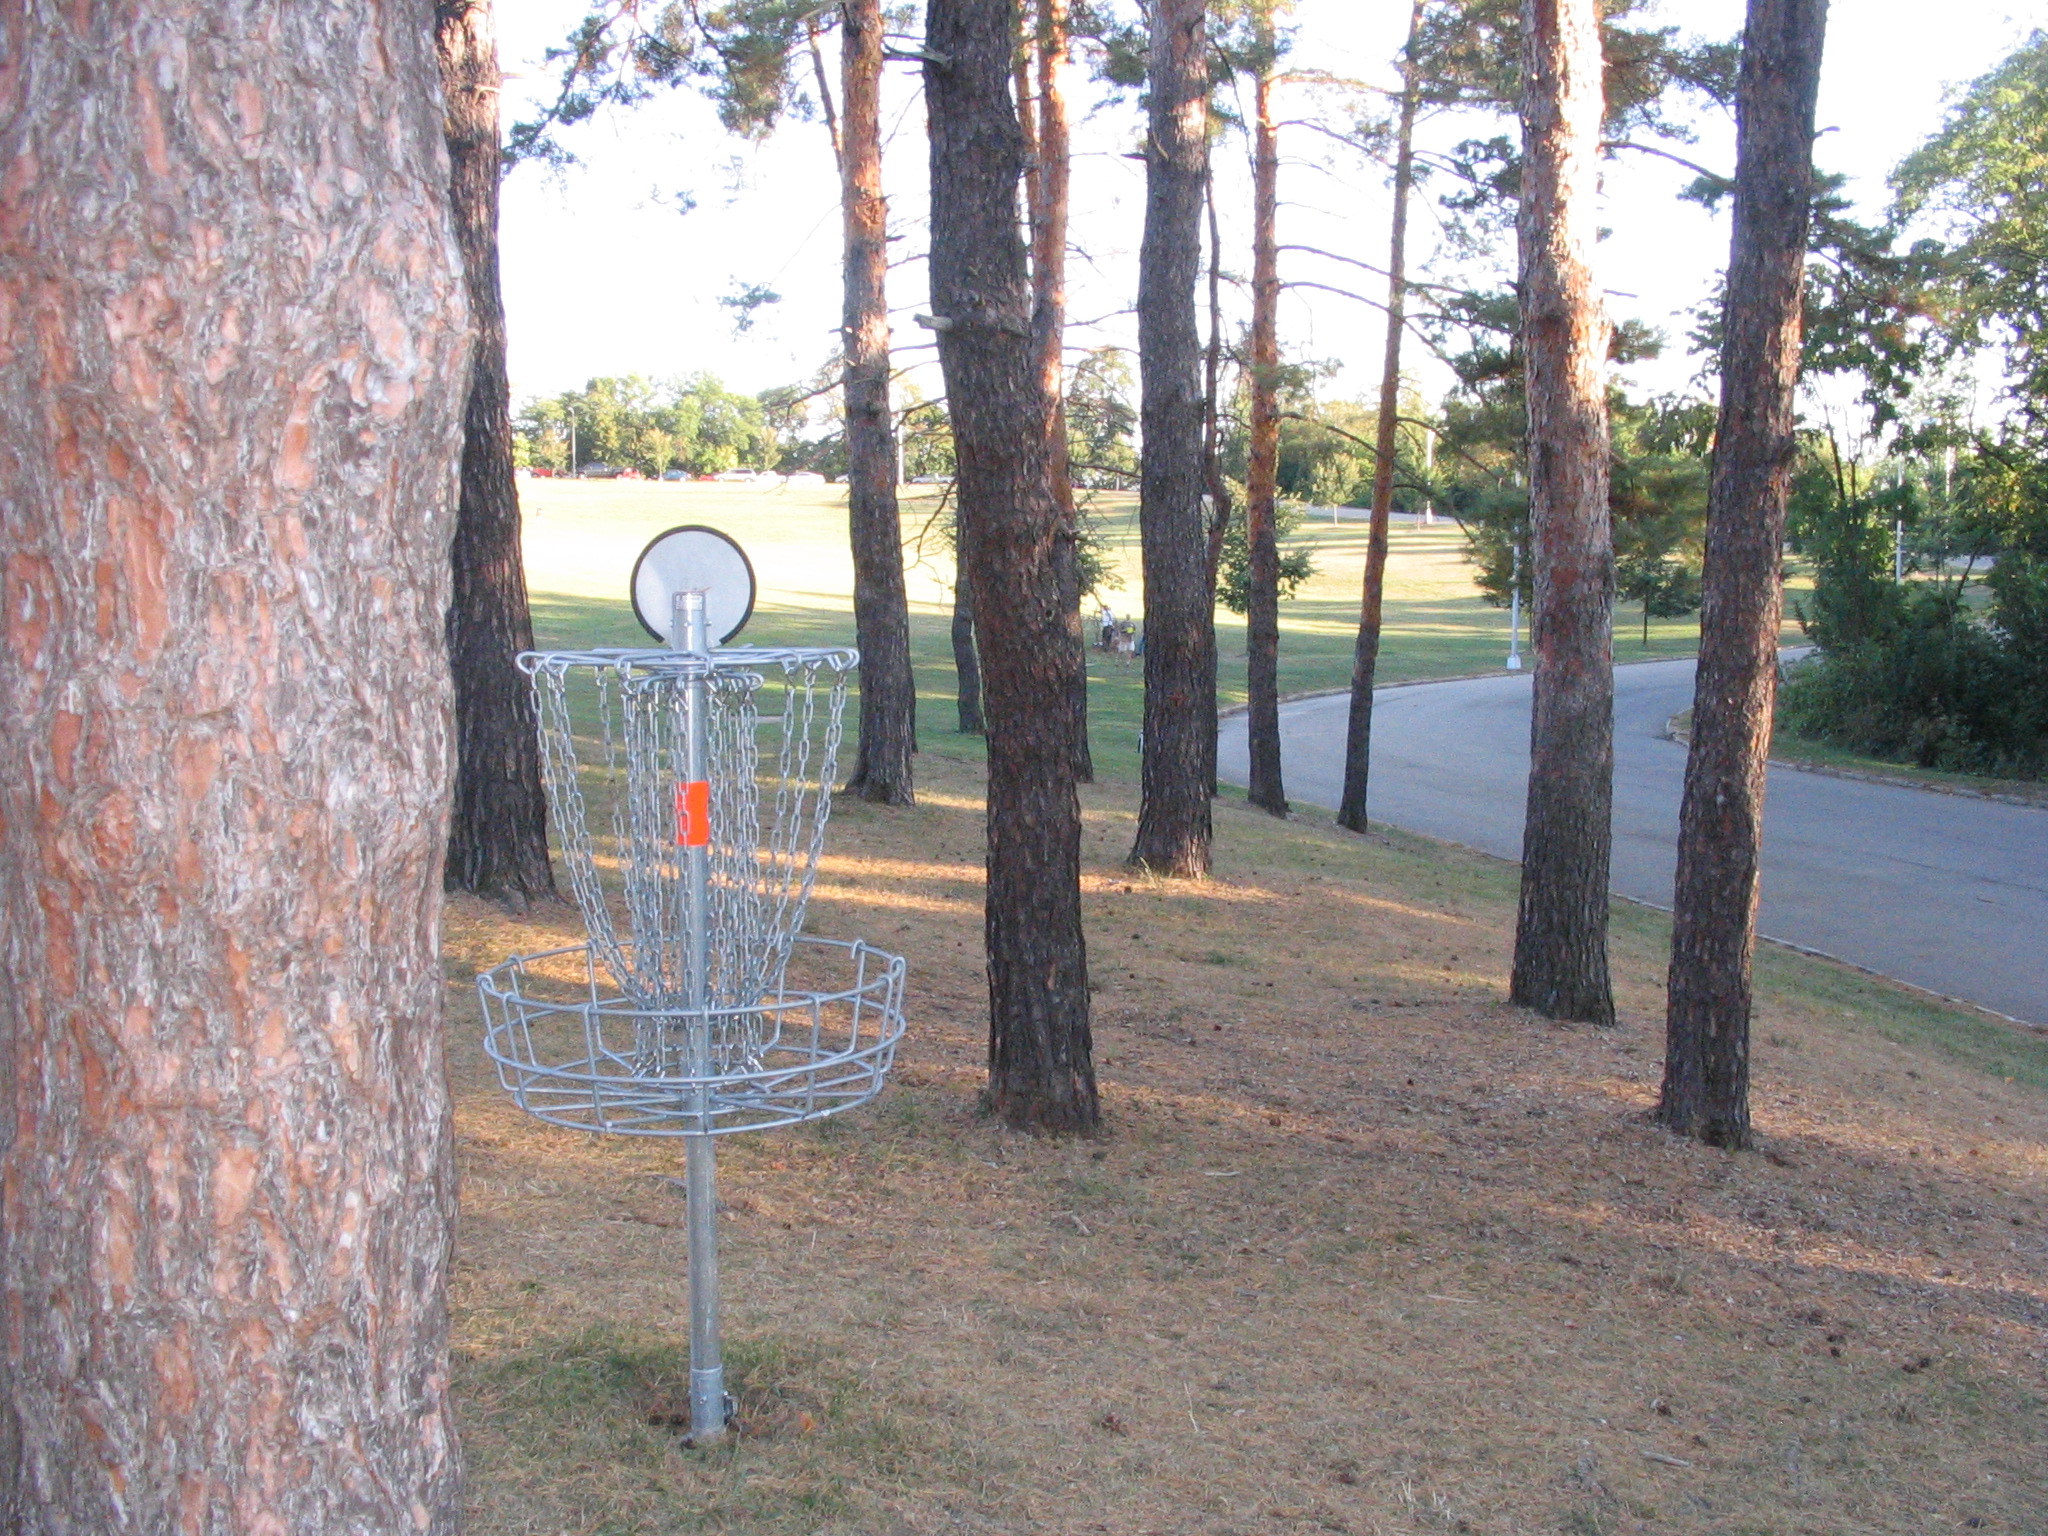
(1560, 963)
(225, 761)
(1267, 788)
(1720, 825)
(1177, 773)
(881, 604)
(1041, 1066)
(498, 834)
(1352, 807)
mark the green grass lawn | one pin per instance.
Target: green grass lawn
(581, 537)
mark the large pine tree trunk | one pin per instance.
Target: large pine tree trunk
(1720, 827)
(1262, 477)
(1560, 965)
(1051, 145)
(234, 352)
(498, 835)
(1041, 1067)
(881, 608)
(1365, 656)
(1180, 615)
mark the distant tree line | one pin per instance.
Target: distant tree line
(695, 424)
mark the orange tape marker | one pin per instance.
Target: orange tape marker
(693, 814)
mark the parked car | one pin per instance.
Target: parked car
(674, 474)
(734, 477)
(803, 477)
(602, 472)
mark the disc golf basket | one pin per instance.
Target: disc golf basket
(690, 787)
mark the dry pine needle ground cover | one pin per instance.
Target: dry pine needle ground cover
(1363, 1250)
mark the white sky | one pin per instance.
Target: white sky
(604, 275)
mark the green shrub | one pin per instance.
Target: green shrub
(1234, 573)
(1933, 686)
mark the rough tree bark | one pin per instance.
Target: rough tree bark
(1721, 819)
(234, 353)
(1041, 1067)
(1365, 656)
(1560, 964)
(498, 834)
(1262, 477)
(1049, 146)
(1177, 772)
(881, 608)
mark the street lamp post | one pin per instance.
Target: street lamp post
(1515, 614)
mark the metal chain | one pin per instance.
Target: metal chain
(612, 729)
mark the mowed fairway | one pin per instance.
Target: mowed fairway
(582, 536)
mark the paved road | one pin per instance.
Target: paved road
(1944, 891)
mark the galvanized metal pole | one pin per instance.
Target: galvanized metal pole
(707, 1358)
(1515, 614)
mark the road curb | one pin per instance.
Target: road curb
(1425, 682)
(1671, 733)
(1764, 938)
(1330, 693)
(1865, 776)
(1821, 954)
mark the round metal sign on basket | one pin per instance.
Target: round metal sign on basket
(690, 788)
(693, 558)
